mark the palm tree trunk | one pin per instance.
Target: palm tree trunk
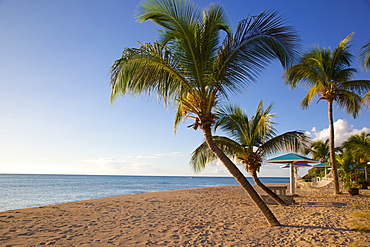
(231, 167)
(267, 190)
(331, 148)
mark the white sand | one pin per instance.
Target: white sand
(218, 216)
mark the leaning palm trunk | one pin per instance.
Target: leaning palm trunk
(269, 192)
(230, 166)
(331, 147)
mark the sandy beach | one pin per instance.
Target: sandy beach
(217, 216)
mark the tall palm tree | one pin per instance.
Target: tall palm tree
(328, 75)
(190, 68)
(359, 145)
(251, 139)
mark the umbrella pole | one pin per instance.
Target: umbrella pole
(292, 180)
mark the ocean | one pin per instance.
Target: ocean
(30, 190)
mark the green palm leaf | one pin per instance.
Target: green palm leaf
(365, 55)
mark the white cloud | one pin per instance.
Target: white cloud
(342, 131)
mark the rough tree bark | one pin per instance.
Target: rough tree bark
(333, 161)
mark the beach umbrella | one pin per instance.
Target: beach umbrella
(323, 165)
(296, 165)
(356, 167)
(291, 158)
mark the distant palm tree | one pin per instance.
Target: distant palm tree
(319, 150)
(328, 75)
(191, 69)
(249, 141)
(359, 145)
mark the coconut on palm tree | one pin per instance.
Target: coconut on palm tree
(328, 75)
(249, 141)
(192, 68)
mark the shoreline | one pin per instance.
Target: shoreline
(210, 216)
(26, 191)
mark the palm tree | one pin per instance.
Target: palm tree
(328, 75)
(319, 150)
(251, 139)
(359, 145)
(191, 69)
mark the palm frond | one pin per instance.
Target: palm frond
(349, 101)
(292, 141)
(365, 55)
(310, 70)
(233, 120)
(190, 31)
(202, 155)
(257, 41)
(312, 92)
(366, 99)
(359, 145)
(360, 87)
(341, 57)
(319, 150)
(148, 69)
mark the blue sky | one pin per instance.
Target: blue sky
(56, 117)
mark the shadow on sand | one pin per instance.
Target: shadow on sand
(319, 227)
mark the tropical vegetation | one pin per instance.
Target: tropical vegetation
(319, 150)
(248, 141)
(347, 169)
(328, 75)
(191, 68)
(359, 146)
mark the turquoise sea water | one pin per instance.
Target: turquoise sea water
(24, 191)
